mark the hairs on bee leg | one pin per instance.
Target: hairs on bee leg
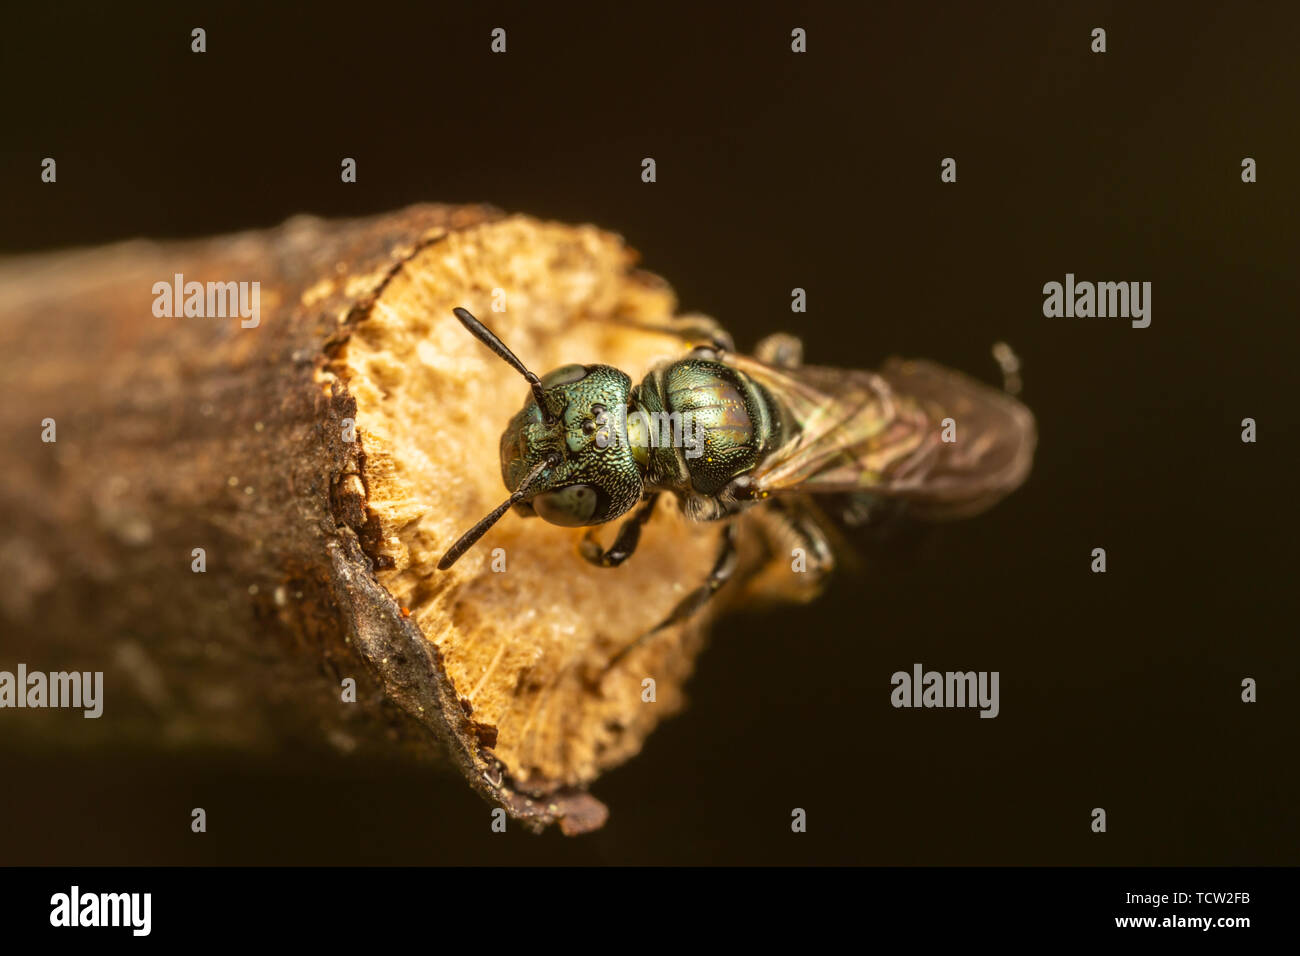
(786, 525)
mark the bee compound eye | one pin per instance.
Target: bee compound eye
(570, 507)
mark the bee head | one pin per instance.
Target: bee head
(581, 427)
(565, 455)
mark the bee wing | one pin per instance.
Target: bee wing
(883, 433)
(852, 430)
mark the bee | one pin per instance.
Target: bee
(725, 432)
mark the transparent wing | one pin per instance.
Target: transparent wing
(882, 432)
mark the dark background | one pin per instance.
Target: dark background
(778, 170)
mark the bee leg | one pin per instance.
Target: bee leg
(780, 349)
(723, 568)
(629, 534)
(801, 552)
(1009, 362)
(692, 328)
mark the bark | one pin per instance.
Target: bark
(195, 432)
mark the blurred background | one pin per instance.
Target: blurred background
(778, 170)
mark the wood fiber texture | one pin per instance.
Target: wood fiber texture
(182, 433)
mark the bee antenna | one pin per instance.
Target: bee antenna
(488, 338)
(468, 539)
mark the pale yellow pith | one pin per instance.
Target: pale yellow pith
(524, 646)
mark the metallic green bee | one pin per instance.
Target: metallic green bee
(723, 432)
